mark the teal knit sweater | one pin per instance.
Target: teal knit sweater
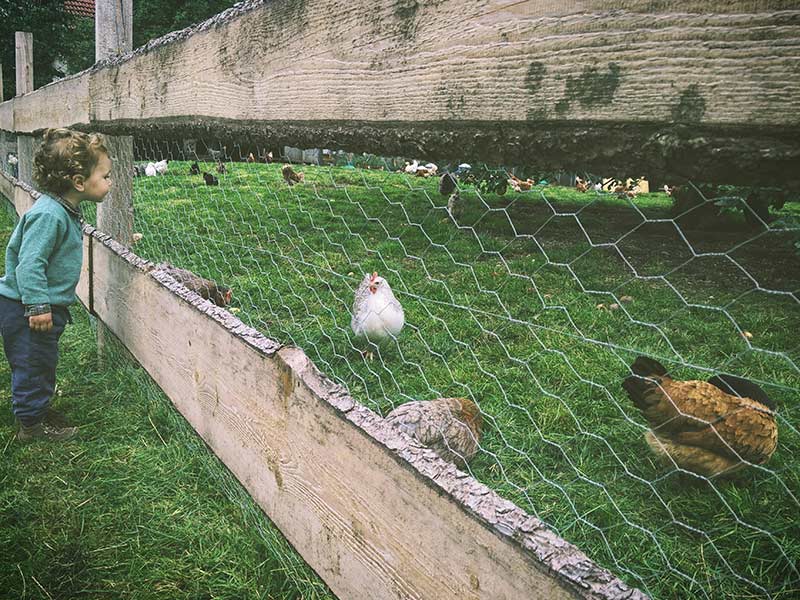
(44, 256)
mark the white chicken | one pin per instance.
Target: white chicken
(432, 168)
(161, 167)
(377, 314)
(150, 170)
(411, 168)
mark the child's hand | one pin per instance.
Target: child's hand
(41, 322)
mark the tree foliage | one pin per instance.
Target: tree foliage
(63, 39)
(154, 18)
(52, 30)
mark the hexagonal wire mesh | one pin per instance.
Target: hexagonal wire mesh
(533, 299)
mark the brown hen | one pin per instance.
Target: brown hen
(451, 427)
(208, 289)
(710, 427)
(290, 176)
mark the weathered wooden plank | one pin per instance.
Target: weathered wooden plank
(704, 90)
(113, 28)
(23, 49)
(7, 187)
(7, 116)
(26, 149)
(60, 104)
(471, 61)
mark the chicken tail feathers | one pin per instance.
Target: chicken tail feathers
(646, 367)
(738, 386)
(640, 389)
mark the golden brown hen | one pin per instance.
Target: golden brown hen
(449, 426)
(707, 427)
(290, 176)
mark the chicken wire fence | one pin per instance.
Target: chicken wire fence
(531, 296)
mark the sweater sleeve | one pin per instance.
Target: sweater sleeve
(39, 237)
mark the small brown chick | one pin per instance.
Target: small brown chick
(706, 427)
(581, 185)
(449, 426)
(290, 176)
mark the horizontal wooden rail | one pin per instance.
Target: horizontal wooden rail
(704, 90)
(374, 513)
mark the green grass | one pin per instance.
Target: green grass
(138, 507)
(502, 307)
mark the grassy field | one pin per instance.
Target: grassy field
(502, 305)
(138, 507)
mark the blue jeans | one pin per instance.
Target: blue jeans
(33, 356)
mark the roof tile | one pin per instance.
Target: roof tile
(82, 8)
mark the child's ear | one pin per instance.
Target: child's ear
(78, 182)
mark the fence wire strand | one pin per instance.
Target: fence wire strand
(533, 303)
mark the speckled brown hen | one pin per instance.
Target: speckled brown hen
(290, 176)
(210, 290)
(449, 426)
(710, 427)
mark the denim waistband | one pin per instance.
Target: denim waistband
(57, 308)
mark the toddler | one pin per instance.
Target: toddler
(42, 268)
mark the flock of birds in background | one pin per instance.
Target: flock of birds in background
(710, 428)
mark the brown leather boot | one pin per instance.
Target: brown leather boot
(46, 431)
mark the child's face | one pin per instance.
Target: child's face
(97, 185)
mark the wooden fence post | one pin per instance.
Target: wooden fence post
(3, 142)
(114, 36)
(113, 28)
(23, 43)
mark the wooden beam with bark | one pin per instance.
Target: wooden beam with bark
(704, 90)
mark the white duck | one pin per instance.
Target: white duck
(377, 314)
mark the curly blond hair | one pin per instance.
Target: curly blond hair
(63, 154)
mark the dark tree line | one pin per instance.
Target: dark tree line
(64, 43)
